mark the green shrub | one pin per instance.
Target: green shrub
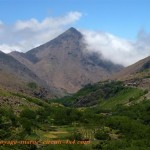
(32, 85)
(101, 135)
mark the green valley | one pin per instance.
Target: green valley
(107, 115)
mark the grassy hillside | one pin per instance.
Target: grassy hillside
(106, 94)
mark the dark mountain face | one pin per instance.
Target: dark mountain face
(145, 66)
(94, 59)
(62, 62)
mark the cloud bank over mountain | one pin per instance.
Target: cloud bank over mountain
(25, 35)
(118, 50)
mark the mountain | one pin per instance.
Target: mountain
(136, 75)
(12, 72)
(8, 63)
(131, 83)
(15, 76)
(62, 62)
(134, 69)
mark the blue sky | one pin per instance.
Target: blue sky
(124, 18)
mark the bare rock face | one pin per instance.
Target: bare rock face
(63, 64)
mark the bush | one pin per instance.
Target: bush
(27, 113)
(32, 85)
(76, 135)
(101, 135)
(26, 125)
(27, 120)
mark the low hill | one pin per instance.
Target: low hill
(132, 71)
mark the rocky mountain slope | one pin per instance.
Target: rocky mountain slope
(15, 76)
(134, 70)
(12, 71)
(63, 64)
(136, 75)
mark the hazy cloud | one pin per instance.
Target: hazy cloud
(118, 50)
(25, 35)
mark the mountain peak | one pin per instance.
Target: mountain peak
(72, 29)
(71, 32)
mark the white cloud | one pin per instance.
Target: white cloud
(48, 23)
(25, 35)
(118, 50)
(7, 47)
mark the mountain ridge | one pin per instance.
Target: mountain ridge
(57, 61)
(15, 76)
(137, 67)
(63, 64)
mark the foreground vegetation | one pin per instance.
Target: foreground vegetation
(104, 116)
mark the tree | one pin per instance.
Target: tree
(27, 120)
(26, 125)
(27, 113)
(101, 135)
